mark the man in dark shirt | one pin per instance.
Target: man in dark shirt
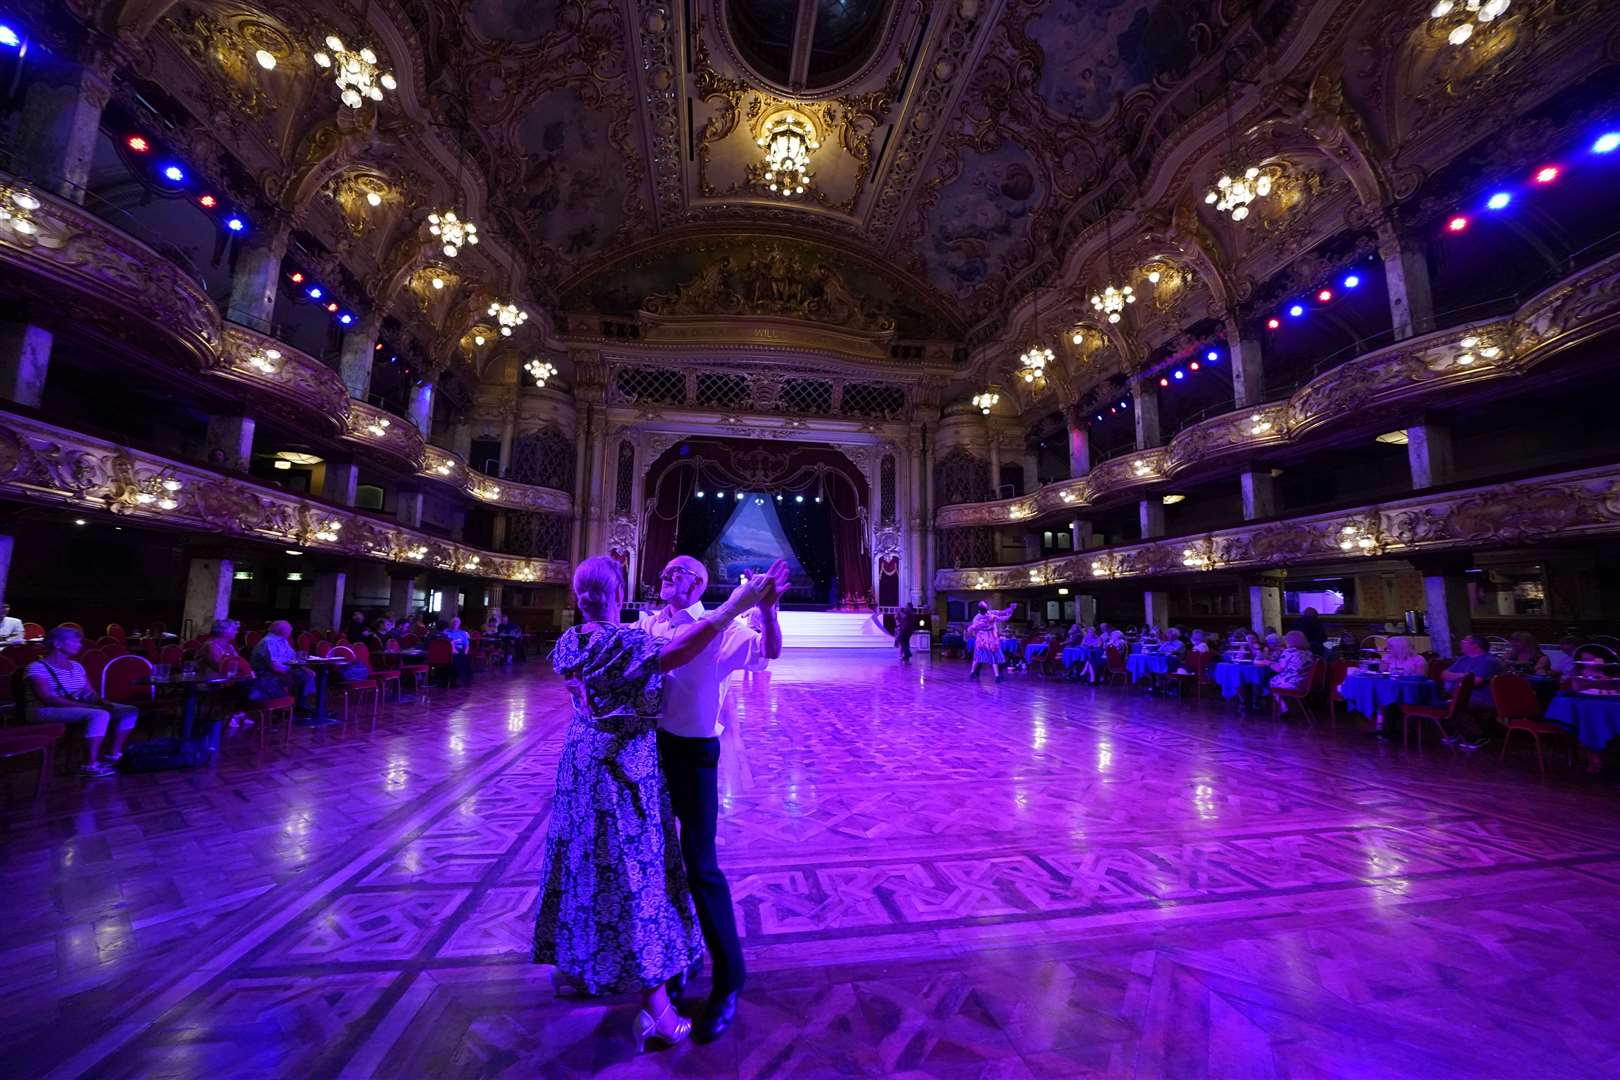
(1310, 624)
(1476, 660)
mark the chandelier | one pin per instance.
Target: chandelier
(378, 427)
(508, 316)
(268, 361)
(159, 491)
(16, 204)
(540, 370)
(1355, 537)
(357, 75)
(1112, 301)
(1107, 566)
(787, 139)
(1233, 195)
(416, 551)
(327, 531)
(1032, 364)
(1471, 12)
(1203, 555)
(453, 232)
(986, 401)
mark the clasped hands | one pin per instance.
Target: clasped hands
(763, 591)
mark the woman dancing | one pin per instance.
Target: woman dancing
(984, 631)
(615, 911)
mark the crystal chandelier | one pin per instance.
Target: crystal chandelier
(454, 233)
(986, 401)
(1473, 14)
(508, 316)
(357, 75)
(540, 370)
(16, 204)
(1233, 196)
(1203, 555)
(1112, 301)
(787, 140)
(1032, 364)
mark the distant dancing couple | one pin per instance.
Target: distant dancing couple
(985, 634)
(626, 903)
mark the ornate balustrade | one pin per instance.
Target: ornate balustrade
(106, 279)
(1564, 505)
(1353, 396)
(41, 463)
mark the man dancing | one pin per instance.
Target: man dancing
(689, 754)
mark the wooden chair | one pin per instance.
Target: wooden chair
(1519, 709)
(1335, 677)
(350, 689)
(1440, 714)
(71, 626)
(1313, 682)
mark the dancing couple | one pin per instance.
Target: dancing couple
(985, 633)
(626, 903)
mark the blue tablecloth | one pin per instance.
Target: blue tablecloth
(1033, 652)
(1009, 646)
(952, 641)
(1368, 694)
(1079, 654)
(1141, 664)
(1231, 676)
(1595, 720)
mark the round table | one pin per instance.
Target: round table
(1009, 647)
(1595, 718)
(1143, 664)
(190, 687)
(1370, 694)
(322, 666)
(1034, 652)
(1080, 654)
(1233, 675)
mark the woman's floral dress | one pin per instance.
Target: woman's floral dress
(615, 911)
(1294, 668)
(985, 634)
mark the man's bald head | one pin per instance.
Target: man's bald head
(683, 582)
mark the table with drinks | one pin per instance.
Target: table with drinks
(1241, 678)
(192, 685)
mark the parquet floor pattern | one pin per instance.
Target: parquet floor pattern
(933, 878)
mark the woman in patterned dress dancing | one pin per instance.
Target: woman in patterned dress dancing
(985, 633)
(615, 913)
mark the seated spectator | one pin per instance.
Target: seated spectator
(1401, 659)
(1293, 666)
(11, 629)
(460, 654)
(1200, 641)
(60, 693)
(274, 656)
(1524, 656)
(1476, 660)
(1565, 655)
(1075, 636)
(1116, 640)
(218, 648)
(1273, 647)
(1589, 669)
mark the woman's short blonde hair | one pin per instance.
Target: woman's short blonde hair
(1400, 647)
(1296, 639)
(598, 581)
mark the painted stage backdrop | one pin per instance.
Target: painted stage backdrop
(752, 539)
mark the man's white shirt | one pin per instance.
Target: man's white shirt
(693, 692)
(11, 628)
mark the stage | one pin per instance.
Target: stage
(933, 877)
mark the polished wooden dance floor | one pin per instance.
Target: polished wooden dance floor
(934, 878)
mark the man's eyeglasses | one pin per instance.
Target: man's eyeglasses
(672, 575)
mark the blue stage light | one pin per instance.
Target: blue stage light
(174, 173)
(1125, 404)
(1607, 143)
(345, 318)
(1351, 281)
(8, 37)
(235, 224)
(1296, 311)
(1498, 201)
(1099, 418)
(1212, 356)
(314, 292)
(1180, 374)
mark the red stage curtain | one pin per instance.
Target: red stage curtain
(854, 562)
(674, 487)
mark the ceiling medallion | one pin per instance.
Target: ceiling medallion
(1469, 15)
(787, 137)
(540, 370)
(454, 233)
(986, 401)
(359, 78)
(1232, 195)
(1111, 301)
(508, 317)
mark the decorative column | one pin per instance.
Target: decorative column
(1079, 441)
(1406, 276)
(326, 603)
(1248, 371)
(255, 277)
(401, 592)
(408, 508)
(421, 410)
(208, 595)
(60, 118)
(231, 437)
(25, 361)
(359, 353)
(930, 534)
(1265, 603)
(1146, 396)
(995, 462)
(597, 480)
(1445, 592)
(1151, 514)
(1156, 609)
(1081, 534)
(342, 481)
(1428, 454)
(450, 600)
(1032, 470)
(916, 514)
(1259, 494)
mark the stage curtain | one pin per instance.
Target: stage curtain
(808, 525)
(702, 523)
(854, 562)
(674, 489)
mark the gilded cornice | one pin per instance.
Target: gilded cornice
(41, 463)
(1356, 394)
(447, 468)
(1565, 505)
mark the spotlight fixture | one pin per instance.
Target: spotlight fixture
(1179, 374)
(174, 173)
(1296, 311)
(235, 224)
(1607, 143)
(314, 292)
(1458, 223)
(1351, 281)
(207, 202)
(1324, 295)
(296, 277)
(1193, 366)
(1273, 323)
(1546, 174)
(138, 144)
(1498, 201)
(345, 318)
(1162, 382)
(1212, 356)
(700, 494)
(10, 39)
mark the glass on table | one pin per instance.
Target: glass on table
(188, 670)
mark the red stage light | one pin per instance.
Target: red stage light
(331, 307)
(1164, 382)
(1272, 324)
(208, 202)
(1325, 295)
(296, 277)
(1547, 174)
(138, 144)
(1457, 224)
(1193, 366)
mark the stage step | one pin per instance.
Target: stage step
(832, 630)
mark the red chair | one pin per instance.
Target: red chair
(1301, 693)
(123, 680)
(1437, 667)
(355, 688)
(417, 672)
(411, 641)
(1440, 714)
(1116, 666)
(385, 677)
(440, 655)
(32, 739)
(1519, 709)
(71, 626)
(158, 628)
(32, 630)
(22, 655)
(93, 660)
(321, 648)
(1336, 673)
(1199, 667)
(303, 641)
(252, 638)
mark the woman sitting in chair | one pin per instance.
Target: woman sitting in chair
(1524, 656)
(1293, 667)
(1401, 660)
